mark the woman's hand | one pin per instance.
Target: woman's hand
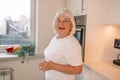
(69, 69)
(45, 65)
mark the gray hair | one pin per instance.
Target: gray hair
(67, 13)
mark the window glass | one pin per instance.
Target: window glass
(14, 21)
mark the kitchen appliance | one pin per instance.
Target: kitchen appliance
(80, 32)
(117, 46)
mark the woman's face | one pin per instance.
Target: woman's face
(63, 25)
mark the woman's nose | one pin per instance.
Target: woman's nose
(62, 22)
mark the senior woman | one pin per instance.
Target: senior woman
(63, 55)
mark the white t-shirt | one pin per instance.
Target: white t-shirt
(63, 51)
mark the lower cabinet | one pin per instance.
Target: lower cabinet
(89, 74)
(79, 77)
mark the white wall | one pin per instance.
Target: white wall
(99, 38)
(47, 10)
(29, 70)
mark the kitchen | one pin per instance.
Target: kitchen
(99, 43)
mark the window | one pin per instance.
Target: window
(17, 22)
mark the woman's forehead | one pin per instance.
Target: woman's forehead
(62, 16)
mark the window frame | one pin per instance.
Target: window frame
(33, 27)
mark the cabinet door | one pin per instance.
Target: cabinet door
(76, 6)
(111, 12)
(89, 74)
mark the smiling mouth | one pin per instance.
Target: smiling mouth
(61, 28)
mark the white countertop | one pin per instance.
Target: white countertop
(109, 70)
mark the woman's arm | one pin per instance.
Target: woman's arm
(69, 69)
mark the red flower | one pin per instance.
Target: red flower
(12, 48)
(9, 49)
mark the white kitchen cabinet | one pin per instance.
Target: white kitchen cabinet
(89, 74)
(111, 12)
(78, 7)
(79, 76)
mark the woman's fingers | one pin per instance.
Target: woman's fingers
(46, 65)
(43, 66)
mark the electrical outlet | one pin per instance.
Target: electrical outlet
(117, 43)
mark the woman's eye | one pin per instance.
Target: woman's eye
(65, 21)
(58, 21)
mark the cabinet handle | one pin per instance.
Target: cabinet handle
(82, 6)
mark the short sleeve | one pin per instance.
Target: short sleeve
(73, 56)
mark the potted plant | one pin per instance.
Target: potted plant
(26, 48)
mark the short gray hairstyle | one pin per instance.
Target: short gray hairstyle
(66, 12)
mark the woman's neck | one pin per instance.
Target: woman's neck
(62, 36)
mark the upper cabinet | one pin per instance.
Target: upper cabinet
(111, 12)
(78, 7)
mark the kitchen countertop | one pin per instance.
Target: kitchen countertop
(109, 70)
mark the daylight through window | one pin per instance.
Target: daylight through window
(14, 21)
